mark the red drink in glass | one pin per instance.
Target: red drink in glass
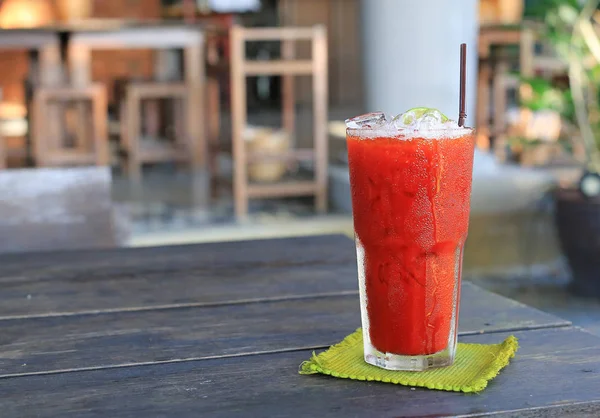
(410, 198)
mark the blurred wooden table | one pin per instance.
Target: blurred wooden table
(220, 329)
(44, 43)
(98, 34)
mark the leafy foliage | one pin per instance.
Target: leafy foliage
(558, 18)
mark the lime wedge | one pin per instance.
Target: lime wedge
(408, 117)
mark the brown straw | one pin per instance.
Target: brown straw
(462, 114)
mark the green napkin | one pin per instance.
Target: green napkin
(474, 366)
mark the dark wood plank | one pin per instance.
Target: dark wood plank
(156, 290)
(482, 311)
(556, 373)
(44, 283)
(89, 341)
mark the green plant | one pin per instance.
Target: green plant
(584, 79)
(544, 95)
(538, 9)
(567, 26)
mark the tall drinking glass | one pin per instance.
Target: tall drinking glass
(411, 199)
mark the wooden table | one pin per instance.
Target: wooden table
(47, 64)
(219, 330)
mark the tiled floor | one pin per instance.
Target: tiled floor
(171, 200)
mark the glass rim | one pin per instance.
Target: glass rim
(392, 133)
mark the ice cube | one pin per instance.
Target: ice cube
(405, 120)
(368, 120)
(434, 115)
(431, 120)
(420, 118)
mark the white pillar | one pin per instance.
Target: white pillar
(411, 54)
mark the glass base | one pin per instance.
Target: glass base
(418, 363)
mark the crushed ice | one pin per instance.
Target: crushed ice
(425, 119)
(417, 120)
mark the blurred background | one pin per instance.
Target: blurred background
(162, 122)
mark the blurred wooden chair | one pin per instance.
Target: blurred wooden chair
(58, 209)
(164, 39)
(288, 67)
(51, 144)
(139, 151)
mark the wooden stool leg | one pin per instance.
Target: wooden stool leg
(173, 117)
(134, 167)
(214, 120)
(2, 153)
(483, 106)
(100, 133)
(288, 52)
(500, 108)
(195, 81)
(320, 119)
(179, 122)
(123, 136)
(151, 118)
(238, 125)
(181, 137)
(39, 146)
(2, 146)
(82, 138)
(52, 121)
